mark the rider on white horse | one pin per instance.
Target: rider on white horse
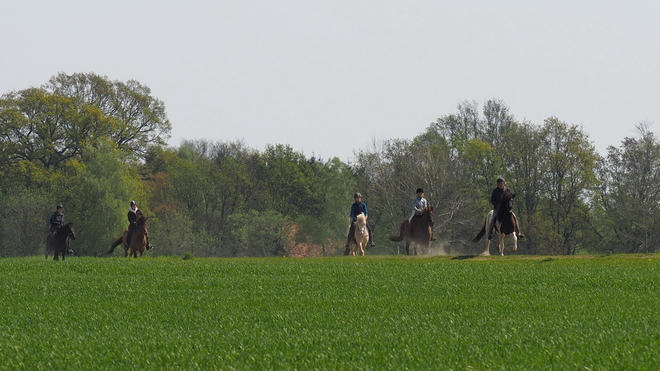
(495, 198)
(357, 208)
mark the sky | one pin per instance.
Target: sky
(330, 78)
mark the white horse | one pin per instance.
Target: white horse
(505, 224)
(360, 238)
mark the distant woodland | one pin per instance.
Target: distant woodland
(94, 144)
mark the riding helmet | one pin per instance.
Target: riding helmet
(420, 190)
(133, 203)
(357, 195)
(500, 180)
(60, 206)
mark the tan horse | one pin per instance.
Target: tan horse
(138, 241)
(360, 238)
(505, 224)
(417, 232)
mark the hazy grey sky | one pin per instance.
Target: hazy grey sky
(328, 77)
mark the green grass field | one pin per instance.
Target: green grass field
(373, 313)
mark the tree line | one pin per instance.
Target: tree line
(94, 144)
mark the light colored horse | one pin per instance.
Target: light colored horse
(360, 238)
(504, 224)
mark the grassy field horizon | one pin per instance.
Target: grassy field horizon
(374, 312)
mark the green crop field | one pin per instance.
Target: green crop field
(366, 313)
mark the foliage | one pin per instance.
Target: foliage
(631, 194)
(94, 144)
(24, 233)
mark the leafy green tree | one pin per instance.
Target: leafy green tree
(52, 124)
(103, 184)
(38, 127)
(631, 193)
(257, 233)
(24, 233)
(288, 183)
(137, 120)
(569, 162)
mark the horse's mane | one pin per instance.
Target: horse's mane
(141, 221)
(507, 195)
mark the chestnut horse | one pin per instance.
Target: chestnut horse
(417, 232)
(505, 224)
(58, 241)
(360, 237)
(138, 241)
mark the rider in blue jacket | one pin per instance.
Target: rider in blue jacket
(357, 208)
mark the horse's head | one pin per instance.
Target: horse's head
(141, 222)
(361, 223)
(428, 215)
(507, 201)
(67, 229)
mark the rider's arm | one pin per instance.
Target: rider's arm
(353, 216)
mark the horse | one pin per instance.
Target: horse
(417, 232)
(360, 236)
(58, 241)
(138, 241)
(505, 224)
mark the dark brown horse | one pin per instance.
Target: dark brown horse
(417, 232)
(505, 224)
(138, 241)
(58, 241)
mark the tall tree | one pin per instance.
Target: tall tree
(569, 182)
(631, 193)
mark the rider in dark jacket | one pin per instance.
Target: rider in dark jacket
(133, 214)
(56, 221)
(495, 199)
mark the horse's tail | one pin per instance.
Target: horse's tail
(114, 245)
(401, 235)
(482, 232)
(477, 238)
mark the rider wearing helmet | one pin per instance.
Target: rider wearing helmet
(418, 204)
(56, 221)
(357, 208)
(133, 214)
(495, 199)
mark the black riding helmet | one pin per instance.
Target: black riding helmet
(420, 190)
(133, 203)
(500, 180)
(357, 195)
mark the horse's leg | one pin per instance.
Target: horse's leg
(501, 243)
(487, 251)
(515, 241)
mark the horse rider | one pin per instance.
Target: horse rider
(357, 208)
(56, 221)
(418, 205)
(133, 214)
(495, 199)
